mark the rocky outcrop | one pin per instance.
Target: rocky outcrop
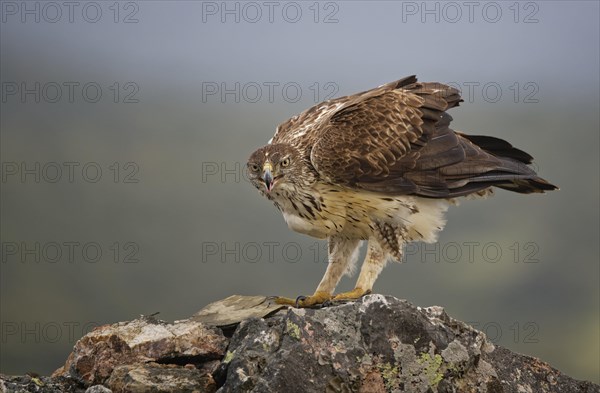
(142, 350)
(244, 344)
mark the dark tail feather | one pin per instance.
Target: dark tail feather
(513, 172)
(525, 179)
(499, 147)
(528, 186)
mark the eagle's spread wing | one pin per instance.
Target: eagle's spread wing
(396, 139)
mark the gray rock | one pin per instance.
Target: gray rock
(98, 389)
(374, 345)
(39, 384)
(379, 344)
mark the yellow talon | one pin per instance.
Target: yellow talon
(320, 298)
(354, 294)
(304, 301)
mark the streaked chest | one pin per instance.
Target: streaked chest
(329, 210)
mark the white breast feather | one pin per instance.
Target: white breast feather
(297, 223)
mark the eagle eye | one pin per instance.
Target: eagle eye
(285, 162)
(254, 167)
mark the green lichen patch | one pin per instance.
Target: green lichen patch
(228, 357)
(389, 373)
(432, 366)
(292, 329)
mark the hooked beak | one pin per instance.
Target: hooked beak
(268, 176)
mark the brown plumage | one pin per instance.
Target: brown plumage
(381, 165)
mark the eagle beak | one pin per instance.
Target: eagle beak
(268, 176)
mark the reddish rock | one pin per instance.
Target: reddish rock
(96, 355)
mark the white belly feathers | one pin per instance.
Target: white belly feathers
(352, 213)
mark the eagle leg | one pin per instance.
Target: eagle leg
(374, 263)
(342, 255)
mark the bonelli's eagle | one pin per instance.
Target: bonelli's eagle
(383, 166)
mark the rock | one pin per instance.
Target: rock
(376, 344)
(143, 340)
(98, 389)
(39, 384)
(379, 344)
(162, 378)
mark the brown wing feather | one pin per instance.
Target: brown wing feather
(303, 129)
(396, 140)
(380, 137)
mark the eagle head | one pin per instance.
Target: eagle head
(278, 169)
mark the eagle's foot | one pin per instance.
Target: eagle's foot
(354, 294)
(316, 300)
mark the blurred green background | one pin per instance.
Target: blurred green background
(170, 224)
